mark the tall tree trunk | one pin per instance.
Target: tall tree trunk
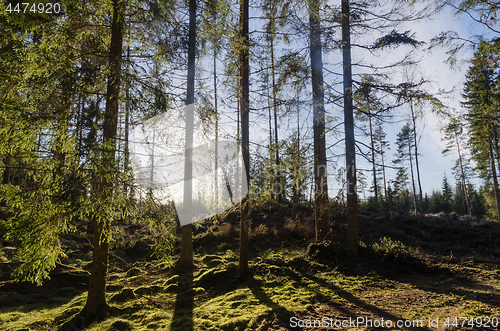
(272, 179)
(321, 203)
(497, 149)
(216, 165)
(275, 109)
(386, 202)
(245, 138)
(187, 230)
(352, 197)
(374, 169)
(383, 169)
(412, 177)
(494, 172)
(96, 299)
(298, 188)
(495, 179)
(466, 195)
(126, 160)
(416, 157)
(237, 178)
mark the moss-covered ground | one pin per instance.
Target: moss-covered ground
(410, 268)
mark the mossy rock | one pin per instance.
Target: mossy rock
(174, 279)
(214, 277)
(197, 290)
(134, 272)
(121, 325)
(66, 314)
(114, 288)
(149, 290)
(76, 277)
(172, 288)
(213, 260)
(125, 295)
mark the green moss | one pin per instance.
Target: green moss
(311, 280)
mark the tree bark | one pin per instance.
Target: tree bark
(494, 171)
(416, 157)
(275, 109)
(126, 159)
(412, 177)
(321, 203)
(467, 203)
(374, 169)
(216, 160)
(352, 198)
(495, 179)
(96, 300)
(271, 155)
(186, 257)
(245, 138)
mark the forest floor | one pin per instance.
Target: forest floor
(419, 271)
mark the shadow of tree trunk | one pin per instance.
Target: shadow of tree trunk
(282, 314)
(184, 302)
(378, 312)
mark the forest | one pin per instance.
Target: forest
(249, 165)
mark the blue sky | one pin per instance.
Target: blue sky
(432, 67)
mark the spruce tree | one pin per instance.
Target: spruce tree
(481, 100)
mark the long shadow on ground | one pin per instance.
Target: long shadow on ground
(184, 302)
(280, 312)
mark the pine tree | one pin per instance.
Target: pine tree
(447, 194)
(186, 257)
(404, 155)
(366, 108)
(321, 202)
(480, 93)
(245, 138)
(96, 299)
(454, 135)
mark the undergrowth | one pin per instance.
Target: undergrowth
(290, 276)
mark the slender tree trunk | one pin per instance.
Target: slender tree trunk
(412, 177)
(216, 178)
(497, 150)
(416, 157)
(494, 171)
(372, 143)
(238, 143)
(495, 179)
(79, 125)
(96, 299)
(272, 178)
(466, 195)
(383, 170)
(186, 257)
(298, 188)
(126, 160)
(152, 172)
(275, 109)
(386, 202)
(321, 203)
(245, 138)
(352, 198)
(61, 134)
